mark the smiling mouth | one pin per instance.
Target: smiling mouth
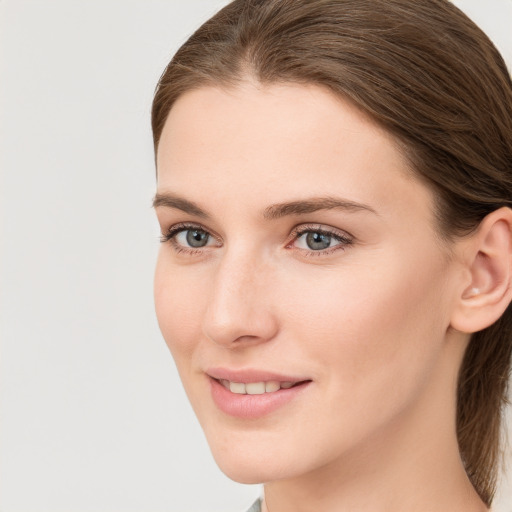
(254, 398)
(257, 388)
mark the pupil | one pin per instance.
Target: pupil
(197, 238)
(318, 241)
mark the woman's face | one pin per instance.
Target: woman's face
(297, 248)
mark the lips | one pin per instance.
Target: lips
(256, 388)
(253, 375)
(251, 394)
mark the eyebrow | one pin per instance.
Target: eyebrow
(314, 204)
(275, 211)
(179, 203)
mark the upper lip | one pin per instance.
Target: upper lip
(251, 375)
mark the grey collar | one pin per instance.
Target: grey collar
(256, 506)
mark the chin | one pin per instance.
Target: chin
(245, 476)
(252, 468)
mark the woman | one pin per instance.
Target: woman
(334, 191)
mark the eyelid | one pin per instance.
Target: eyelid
(343, 237)
(172, 231)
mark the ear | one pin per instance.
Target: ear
(486, 290)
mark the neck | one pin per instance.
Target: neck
(411, 464)
(399, 481)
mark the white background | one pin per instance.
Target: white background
(93, 418)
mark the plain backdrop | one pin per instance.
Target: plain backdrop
(92, 414)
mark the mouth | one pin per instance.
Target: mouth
(254, 394)
(258, 388)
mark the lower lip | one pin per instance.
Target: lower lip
(253, 406)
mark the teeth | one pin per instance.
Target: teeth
(271, 386)
(237, 387)
(255, 388)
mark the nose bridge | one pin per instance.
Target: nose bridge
(239, 307)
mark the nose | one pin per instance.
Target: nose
(240, 308)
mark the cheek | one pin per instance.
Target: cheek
(179, 307)
(373, 328)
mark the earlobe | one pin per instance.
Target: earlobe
(488, 291)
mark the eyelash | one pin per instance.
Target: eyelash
(169, 237)
(344, 239)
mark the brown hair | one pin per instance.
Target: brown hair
(431, 77)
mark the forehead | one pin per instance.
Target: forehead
(262, 115)
(254, 143)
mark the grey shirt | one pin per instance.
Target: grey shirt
(256, 506)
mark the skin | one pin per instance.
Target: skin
(368, 320)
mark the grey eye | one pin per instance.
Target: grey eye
(196, 238)
(317, 241)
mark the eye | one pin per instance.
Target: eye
(319, 240)
(185, 237)
(314, 240)
(192, 238)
